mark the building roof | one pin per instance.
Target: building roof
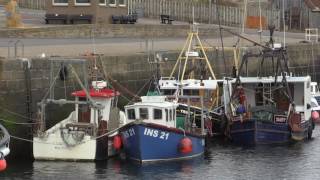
(314, 5)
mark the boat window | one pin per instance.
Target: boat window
(195, 92)
(187, 92)
(131, 114)
(84, 113)
(168, 92)
(170, 115)
(157, 113)
(167, 115)
(174, 114)
(144, 113)
(190, 92)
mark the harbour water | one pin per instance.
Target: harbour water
(221, 161)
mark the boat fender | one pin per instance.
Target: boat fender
(315, 115)
(117, 142)
(185, 145)
(3, 164)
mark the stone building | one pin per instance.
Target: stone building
(84, 11)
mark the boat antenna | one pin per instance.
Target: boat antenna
(221, 40)
(93, 31)
(284, 25)
(244, 15)
(260, 19)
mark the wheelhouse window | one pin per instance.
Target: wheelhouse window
(168, 91)
(144, 113)
(174, 115)
(60, 2)
(167, 114)
(112, 3)
(131, 114)
(190, 92)
(157, 114)
(170, 115)
(82, 2)
(102, 2)
(122, 3)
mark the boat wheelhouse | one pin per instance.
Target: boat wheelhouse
(157, 132)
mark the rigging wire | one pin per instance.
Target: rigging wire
(221, 39)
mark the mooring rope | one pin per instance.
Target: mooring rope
(14, 113)
(17, 123)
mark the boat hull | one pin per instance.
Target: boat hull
(53, 148)
(253, 132)
(147, 142)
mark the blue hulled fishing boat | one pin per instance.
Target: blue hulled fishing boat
(156, 131)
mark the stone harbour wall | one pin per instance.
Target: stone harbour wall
(133, 72)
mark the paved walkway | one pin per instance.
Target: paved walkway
(116, 46)
(110, 46)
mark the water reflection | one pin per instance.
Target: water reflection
(221, 161)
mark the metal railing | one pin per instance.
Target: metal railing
(15, 45)
(204, 12)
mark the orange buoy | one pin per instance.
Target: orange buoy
(3, 164)
(117, 143)
(315, 115)
(185, 145)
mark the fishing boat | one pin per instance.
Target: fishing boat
(315, 102)
(157, 131)
(4, 147)
(268, 109)
(87, 133)
(193, 75)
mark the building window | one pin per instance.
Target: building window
(157, 114)
(112, 3)
(131, 114)
(122, 3)
(144, 113)
(102, 2)
(82, 2)
(60, 2)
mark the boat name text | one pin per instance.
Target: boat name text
(156, 134)
(128, 133)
